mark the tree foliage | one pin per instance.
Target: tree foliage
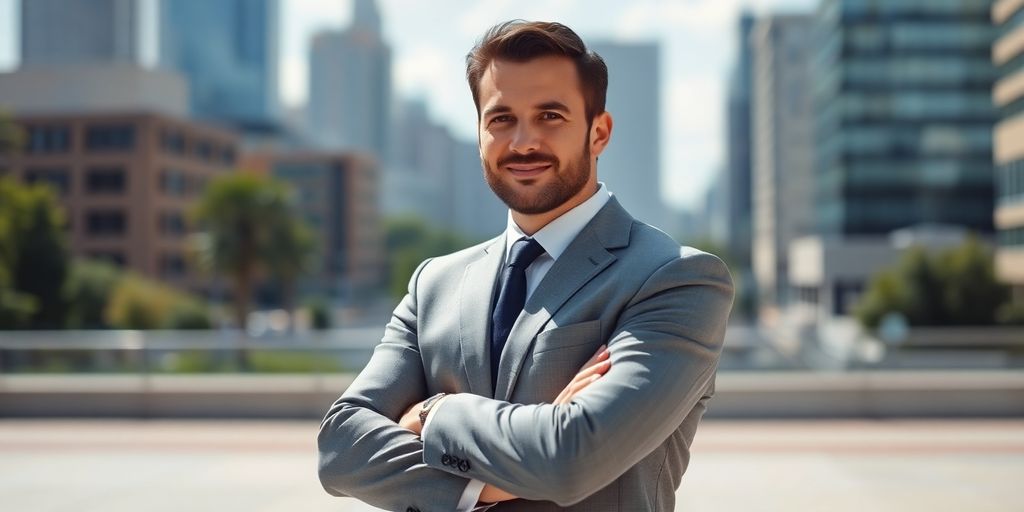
(953, 287)
(249, 229)
(33, 256)
(408, 241)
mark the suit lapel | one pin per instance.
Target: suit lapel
(476, 292)
(586, 257)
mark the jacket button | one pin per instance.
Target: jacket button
(446, 460)
(463, 465)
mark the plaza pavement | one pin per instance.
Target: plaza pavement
(264, 466)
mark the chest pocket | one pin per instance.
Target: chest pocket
(557, 357)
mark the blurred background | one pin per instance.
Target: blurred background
(208, 210)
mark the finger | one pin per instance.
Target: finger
(596, 357)
(600, 367)
(576, 388)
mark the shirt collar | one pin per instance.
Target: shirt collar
(556, 236)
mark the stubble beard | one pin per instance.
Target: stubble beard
(565, 184)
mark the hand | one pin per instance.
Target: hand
(411, 419)
(592, 370)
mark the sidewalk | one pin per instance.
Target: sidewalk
(261, 466)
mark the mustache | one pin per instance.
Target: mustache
(533, 158)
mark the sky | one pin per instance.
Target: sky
(431, 38)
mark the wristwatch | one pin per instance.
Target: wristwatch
(427, 404)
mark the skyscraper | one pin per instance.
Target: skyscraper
(631, 164)
(1008, 55)
(783, 152)
(228, 52)
(904, 115)
(58, 32)
(738, 147)
(903, 137)
(350, 85)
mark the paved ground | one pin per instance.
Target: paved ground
(250, 466)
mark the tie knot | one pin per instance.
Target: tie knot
(524, 251)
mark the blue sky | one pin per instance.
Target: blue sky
(431, 38)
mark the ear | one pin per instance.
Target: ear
(600, 133)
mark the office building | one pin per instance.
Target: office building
(738, 150)
(350, 86)
(93, 88)
(1008, 95)
(59, 32)
(126, 182)
(228, 53)
(631, 163)
(337, 196)
(903, 129)
(783, 151)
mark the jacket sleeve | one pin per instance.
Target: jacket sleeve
(364, 453)
(665, 350)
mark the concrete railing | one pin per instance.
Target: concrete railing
(867, 394)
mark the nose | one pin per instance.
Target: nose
(524, 140)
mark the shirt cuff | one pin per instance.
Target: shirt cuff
(470, 497)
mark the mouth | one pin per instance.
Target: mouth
(527, 170)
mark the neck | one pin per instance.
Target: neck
(532, 223)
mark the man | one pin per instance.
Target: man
(562, 365)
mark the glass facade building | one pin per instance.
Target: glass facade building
(1008, 97)
(904, 115)
(228, 53)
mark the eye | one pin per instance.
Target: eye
(550, 116)
(504, 118)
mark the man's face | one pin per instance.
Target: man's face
(534, 138)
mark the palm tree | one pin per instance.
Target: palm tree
(237, 215)
(292, 254)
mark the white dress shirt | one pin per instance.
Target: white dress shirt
(555, 238)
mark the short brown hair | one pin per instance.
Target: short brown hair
(521, 41)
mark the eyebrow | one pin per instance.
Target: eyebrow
(548, 105)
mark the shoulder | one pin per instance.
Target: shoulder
(652, 248)
(455, 263)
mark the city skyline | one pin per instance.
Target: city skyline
(697, 49)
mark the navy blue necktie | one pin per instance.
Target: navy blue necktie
(511, 298)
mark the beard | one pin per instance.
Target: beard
(565, 183)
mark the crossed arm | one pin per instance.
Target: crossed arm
(592, 370)
(667, 344)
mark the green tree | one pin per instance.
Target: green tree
(140, 303)
(249, 228)
(954, 287)
(408, 241)
(291, 255)
(33, 254)
(87, 292)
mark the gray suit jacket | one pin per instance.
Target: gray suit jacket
(622, 444)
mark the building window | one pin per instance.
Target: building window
(48, 139)
(174, 183)
(57, 178)
(172, 265)
(112, 257)
(205, 150)
(105, 180)
(114, 137)
(105, 222)
(1013, 237)
(173, 142)
(172, 224)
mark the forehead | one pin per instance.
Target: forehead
(525, 84)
